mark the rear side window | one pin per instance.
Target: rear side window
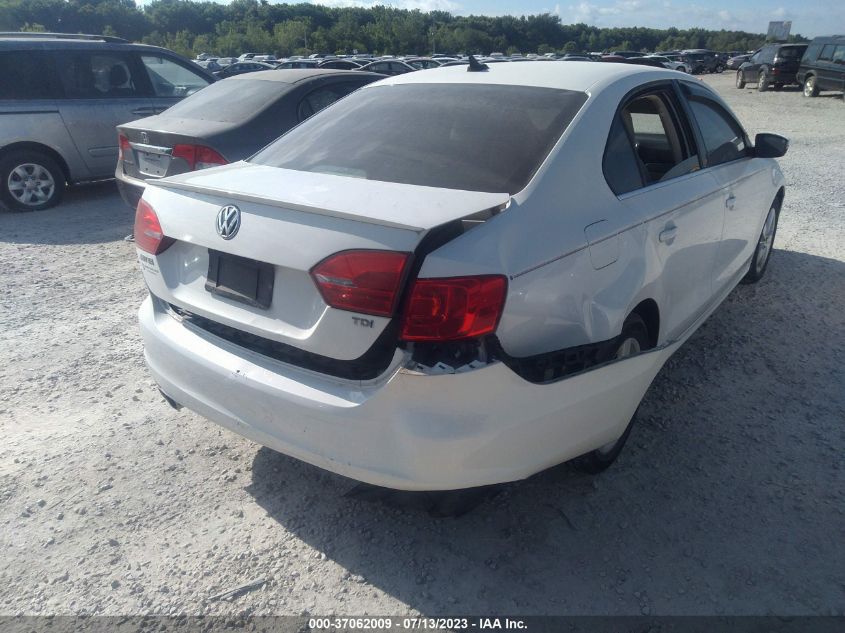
(620, 165)
(475, 137)
(724, 138)
(99, 75)
(839, 54)
(28, 75)
(170, 79)
(323, 97)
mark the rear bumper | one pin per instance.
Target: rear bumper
(404, 430)
(131, 189)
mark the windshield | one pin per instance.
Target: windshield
(474, 137)
(229, 101)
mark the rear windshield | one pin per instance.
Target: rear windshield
(792, 52)
(228, 101)
(475, 137)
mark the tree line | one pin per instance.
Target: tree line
(190, 27)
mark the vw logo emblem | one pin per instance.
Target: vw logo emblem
(228, 221)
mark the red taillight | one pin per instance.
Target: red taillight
(198, 156)
(361, 281)
(124, 151)
(453, 308)
(149, 236)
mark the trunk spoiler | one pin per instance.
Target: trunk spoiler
(409, 207)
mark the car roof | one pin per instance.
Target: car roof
(577, 77)
(59, 41)
(295, 75)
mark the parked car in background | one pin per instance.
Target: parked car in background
(226, 61)
(422, 63)
(669, 63)
(61, 97)
(298, 63)
(267, 59)
(210, 65)
(228, 122)
(240, 68)
(388, 67)
(340, 64)
(773, 65)
(627, 54)
(736, 61)
(702, 60)
(823, 66)
(421, 289)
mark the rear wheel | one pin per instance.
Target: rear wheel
(740, 80)
(811, 89)
(720, 68)
(30, 181)
(633, 340)
(763, 252)
(763, 81)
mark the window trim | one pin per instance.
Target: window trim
(678, 110)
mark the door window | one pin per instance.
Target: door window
(827, 53)
(98, 75)
(27, 75)
(653, 145)
(724, 138)
(839, 55)
(170, 79)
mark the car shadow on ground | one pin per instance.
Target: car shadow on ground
(724, 486)
(89, 214)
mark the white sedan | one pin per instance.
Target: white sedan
(457, 277)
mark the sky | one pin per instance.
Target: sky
(809, 17)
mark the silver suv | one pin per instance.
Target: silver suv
(61, 97)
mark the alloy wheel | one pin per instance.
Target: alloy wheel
(31, 184)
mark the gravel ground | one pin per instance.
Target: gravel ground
(729, 497)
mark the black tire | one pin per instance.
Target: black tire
(811, 88)
(760, 259)
(740, 80)
(30, 181)
(600, 459)
(762, 81)
(720, 68)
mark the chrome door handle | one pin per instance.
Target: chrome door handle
(668, 234)
(729, 203)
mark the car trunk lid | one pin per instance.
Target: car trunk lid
(291, 221)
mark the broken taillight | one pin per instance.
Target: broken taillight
(366, 281)
(453, 308)
(149, 236)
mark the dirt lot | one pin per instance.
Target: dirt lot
(729, 497)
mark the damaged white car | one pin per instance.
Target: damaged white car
(458, 277)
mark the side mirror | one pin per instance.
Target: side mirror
(770, 145)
